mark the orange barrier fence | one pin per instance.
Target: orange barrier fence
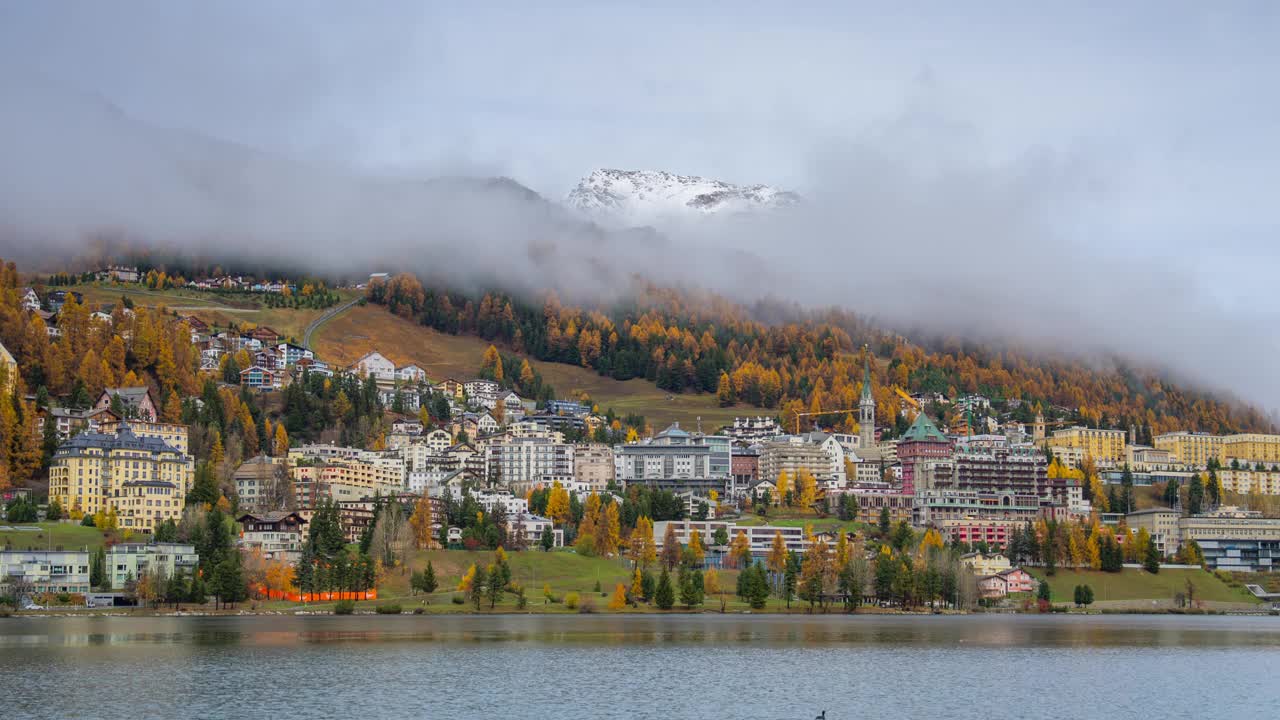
(295, 596)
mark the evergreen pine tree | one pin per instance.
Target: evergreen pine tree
(1195, 496)
(429, 583)
(665, 596)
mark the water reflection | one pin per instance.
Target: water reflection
(809, 631)
(638, 667)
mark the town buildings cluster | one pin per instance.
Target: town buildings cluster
(977, 483)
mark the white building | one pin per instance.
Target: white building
(759, 536)
(531, 527)
(521, 463)
(754, 429)
(40, 571)
(511, 505)
(127, 561)
(375, 365)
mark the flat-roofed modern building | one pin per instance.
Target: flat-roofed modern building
(1233, 539)
(127, 561)
(40, 571)
(760, 536)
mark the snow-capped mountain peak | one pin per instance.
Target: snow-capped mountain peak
(638, 197)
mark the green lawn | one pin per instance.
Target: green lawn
(819, 524)
(68, 536)
(174, 297)
(564, 570)
(1133, 584)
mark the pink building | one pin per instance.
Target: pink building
(1015, 580)
(995, 532)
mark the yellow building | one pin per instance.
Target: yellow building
(143, 479)
(367, 478)
(1250, 481)
(1104, 446)
(172, 434)
(1188, 448)
(8, 370)
(1252, 448)
(984, 565)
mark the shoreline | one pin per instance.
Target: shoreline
(782, 612)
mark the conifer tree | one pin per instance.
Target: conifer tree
(664, 596)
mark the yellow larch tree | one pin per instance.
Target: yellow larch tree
(784, 485)
(740, 550)
(695, 546)
(281, 442)
(619, 599)
(420, 523)
(777, 559)
(464, 585)
(808, 493)
(558, 504)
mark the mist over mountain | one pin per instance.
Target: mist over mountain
(924, 241)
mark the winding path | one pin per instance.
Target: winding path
(326, 317)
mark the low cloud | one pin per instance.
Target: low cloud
(908, 223)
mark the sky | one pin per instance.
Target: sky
(1089, 176)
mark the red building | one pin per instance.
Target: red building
(745, 468)
(922, 444)
(995, 533)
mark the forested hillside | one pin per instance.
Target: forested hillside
(806, 361)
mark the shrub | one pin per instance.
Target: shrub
(418, 611)
(587, 606)
(344, 607)
(388, 609)
(458, 600)
(571, 600)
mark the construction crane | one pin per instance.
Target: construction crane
(910, 400)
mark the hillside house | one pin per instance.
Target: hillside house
(375, 365)
(136, 402)
(290, 354)
(411, 375)
(452, 387)
(259, 378)
(265, 335)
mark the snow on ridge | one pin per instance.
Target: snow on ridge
(646, 196)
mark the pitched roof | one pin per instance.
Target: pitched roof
(130, 395)
(923, 430)
(673, 430)
(123, 439)
(272, 517)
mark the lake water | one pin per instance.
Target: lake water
(453, 667)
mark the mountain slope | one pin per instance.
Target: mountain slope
(646, 197)
(344, 339)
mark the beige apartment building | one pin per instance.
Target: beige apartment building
(1104, 446)
(145, 480)
(1188, 448)
(1251, 448)
(1250, 481)
(364, 479)
(593, 465)
(171, 434)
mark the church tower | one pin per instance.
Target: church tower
(867, 409)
